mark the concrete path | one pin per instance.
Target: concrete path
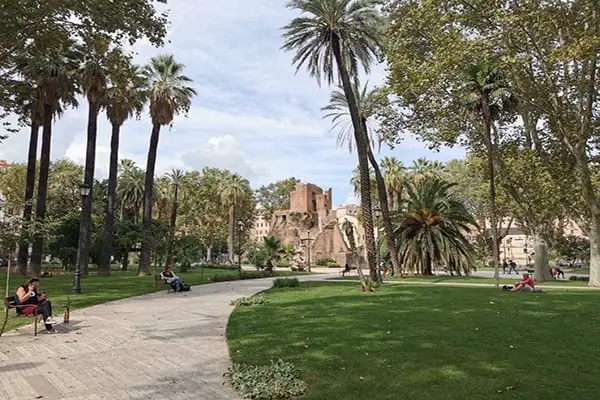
(158, 346)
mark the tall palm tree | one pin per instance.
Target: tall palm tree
(423, 168)
(486, 96)
(53, 74)
(394, 175)
(232, 191)
(170, 94)
(431, 227)
(338, 111)
(92, 75)
(332, 38)
(176, 179)
(130, 189)
(125, 98)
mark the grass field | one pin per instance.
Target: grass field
(97, 290)
(426, 342)
(468, 279)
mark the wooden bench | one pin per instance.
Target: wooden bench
(9, 304)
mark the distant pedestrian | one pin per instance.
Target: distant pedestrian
(513, 267)
(504, 266)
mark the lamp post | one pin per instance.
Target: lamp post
(240, 225)
(306, 243)
(377, 214)
(84, 192)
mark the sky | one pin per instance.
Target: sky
(253, 114)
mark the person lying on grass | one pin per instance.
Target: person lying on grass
(526, 284)
(27, 294)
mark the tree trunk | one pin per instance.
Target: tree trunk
(144, 267)
(230, 249)
(107, 243)
(595, 251)
(542, 271)
(385, 213)
(35, 266)
(363, 161)
(173, 222)
(85, 224)
(492, 188)
(208, 254)
(23, 254)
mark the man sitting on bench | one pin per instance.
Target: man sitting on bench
(169, 276)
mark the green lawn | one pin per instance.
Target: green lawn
(468, 279)
(436, 343)
(97, 290)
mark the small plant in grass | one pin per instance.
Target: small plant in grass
(250, 301)
(279, 380)
(286, 282)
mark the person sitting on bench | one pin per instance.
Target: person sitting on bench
(169, 276)
(27, 294)
(526, 284)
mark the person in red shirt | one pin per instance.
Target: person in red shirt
(526, 284)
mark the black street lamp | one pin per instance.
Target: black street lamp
(377, 214)
(84, 192)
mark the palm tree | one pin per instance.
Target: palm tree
(486, 97)
(423, 168)
(176, 179)
(287, 252)
(430, 229)
(53, 74)
(33, 108)
(272, 247)
(338, 110)
(332, 38)
(125, 98)
(130, 189)
(394, 175)
(232, 191)
(92, 75)
(170, 94)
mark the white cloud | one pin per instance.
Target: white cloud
(253, 114)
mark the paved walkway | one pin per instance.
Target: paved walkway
(138, 348)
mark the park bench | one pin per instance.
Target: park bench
(10, 304)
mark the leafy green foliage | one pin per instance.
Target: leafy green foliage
(573, 248)
(258, 299)
(275, 196)
(279, 380)
(286, 282)
(430, 230)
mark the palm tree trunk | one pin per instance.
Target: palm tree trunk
(85, 224)
(230, 249)
(23, 254)
(173, 222)
(492, 189)
(107, 247)
(385, 214)
(144, 267)
(35, 266)
(363, 161)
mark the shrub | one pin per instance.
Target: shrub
(578, 278)
(280, 380)
(250, 301)
(286, 282)
(245, 275)
(323, 262)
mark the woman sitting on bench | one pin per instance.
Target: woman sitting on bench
(169, 276)
(27, 294)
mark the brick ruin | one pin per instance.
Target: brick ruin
(311, 221)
